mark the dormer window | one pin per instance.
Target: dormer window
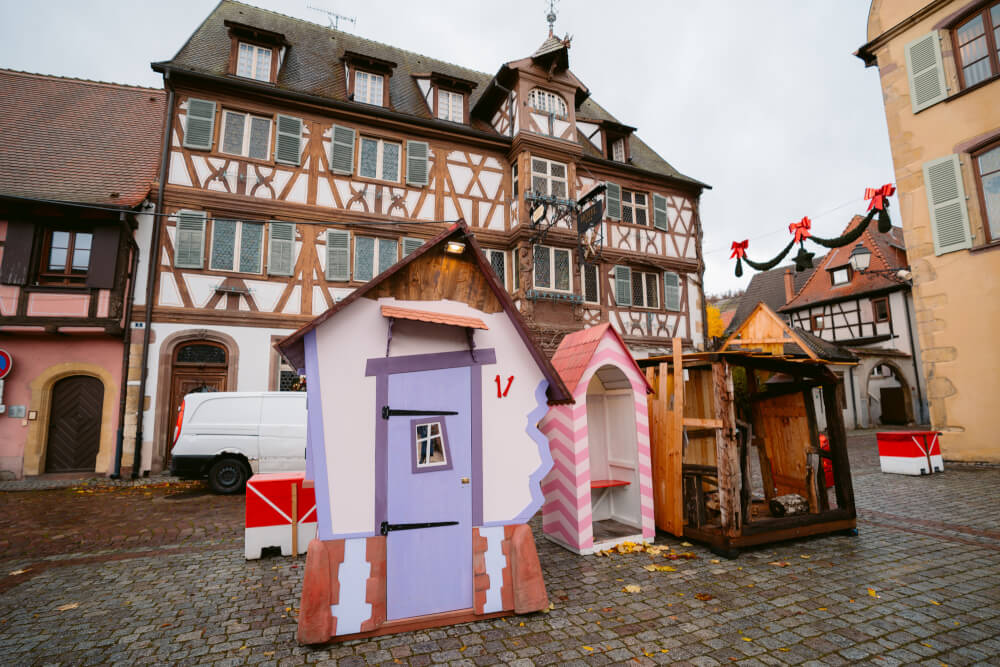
(618, 150)
(547, 102)
(840, 276)
(368, 88)
(254, 62)
(451, 106)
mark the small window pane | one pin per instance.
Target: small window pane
(542, 267)
(970, 30)
(369, 158)
(559, 189)
(390, 161)
(388, 251)
(260, 128)
(977, 72)
(991, 192)
(263, 72)
(652, 300)
(430, 446)
(57, 259)
(251, 246)
(562, 269)
(640, 216)
(590, 283)
(232, 138)
(540, 185)
(244, 66)
(223, 245)
(422, 431)
(638, 289)
(497, 261)
(557, 169)
(81, 252)
(200, 353)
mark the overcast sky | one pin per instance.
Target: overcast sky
(761, 99)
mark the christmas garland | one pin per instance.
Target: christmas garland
(800, 232)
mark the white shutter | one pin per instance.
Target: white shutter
(288, 140)
(280, 248)
(925, 71)
(671, 291)
(946, 201)
(338, 255)
(364, 258)
(623, 286)
(199, 127)
(613, 201)
(342, 150)
(409, 245)
(189, 242)
(416, 162)
(660, 212)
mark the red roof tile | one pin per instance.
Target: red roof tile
(78, 141)
(432, 317)
(888, 251)
(576, 350)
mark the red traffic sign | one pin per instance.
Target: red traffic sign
(6, 363)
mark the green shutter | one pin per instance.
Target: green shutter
(613, 201)
(364, 258)
(281, 248)
(200, 124)
(189, 241)
(671, 291)
(660, 212)
(416, 162)
(288, 140)
(409, 245)
(946, 201)
(925, 71)
(342, 150)
(338, 255)
(623, 286)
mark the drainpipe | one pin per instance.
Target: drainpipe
(154, 254)
(854, 400)
(913, 356)
(126, 354)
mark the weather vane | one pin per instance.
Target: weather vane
(551, 16)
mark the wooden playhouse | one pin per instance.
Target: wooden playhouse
(600, 491)
(425, 473)
(737, 457)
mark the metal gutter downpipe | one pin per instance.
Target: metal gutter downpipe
(913, 355)
(126, 355)
(154, 254)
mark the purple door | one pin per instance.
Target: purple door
(429, 459)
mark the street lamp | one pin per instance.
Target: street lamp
(861, 259)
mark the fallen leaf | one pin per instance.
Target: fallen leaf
(704, 597)
(17, 572)
(784, 649)
(715, 561)
(822, 608)
(779, 563)
(588, 648)
(659, 568)
(463, 648)
(632, 588)
(804, 556)
(686, 544)
(746, 639)
(935, 602)
(873, 593)
(67, 607)
(664, 650)
(926, 644)
(521, 624)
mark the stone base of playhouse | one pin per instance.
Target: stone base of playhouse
(337, 604)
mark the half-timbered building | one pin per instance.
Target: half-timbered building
(77, 163)
(871, 314)
(304, 161)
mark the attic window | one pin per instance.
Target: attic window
(450, 106)
(256, 53)
(618, 150)
(254, 62)
(547, 102)
(368, 88)
(368, 78)
(840, 276)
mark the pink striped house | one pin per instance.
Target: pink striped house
(599, 492)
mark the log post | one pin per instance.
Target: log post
(727, 451)
(838, 450)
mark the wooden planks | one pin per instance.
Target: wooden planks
(666, 439)
(784, 427)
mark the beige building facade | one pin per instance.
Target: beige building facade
(939, 65)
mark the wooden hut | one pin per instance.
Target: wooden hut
(424, 394)
(737, 457)
(600, 491)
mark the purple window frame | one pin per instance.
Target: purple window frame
(435, 467)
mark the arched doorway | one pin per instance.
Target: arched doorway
(74, 437)
(196, 366)
(888, 396)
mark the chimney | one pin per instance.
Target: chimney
(789, 285)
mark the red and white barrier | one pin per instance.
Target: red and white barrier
(271, 513)
(910, 452)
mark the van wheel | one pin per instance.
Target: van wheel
(227, 476)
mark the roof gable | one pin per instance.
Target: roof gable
(406, 280)
(576, 350)
(766, 332)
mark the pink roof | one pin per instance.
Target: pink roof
(432, 317)
(577, 349)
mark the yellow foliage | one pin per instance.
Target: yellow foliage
(715, 326)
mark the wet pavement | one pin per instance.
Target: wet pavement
(155, 574)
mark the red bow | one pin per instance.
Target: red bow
(740, 248)
(878, 195)
(800, 229)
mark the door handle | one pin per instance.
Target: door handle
(465, 480)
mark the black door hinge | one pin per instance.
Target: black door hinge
(389, 412)
(386, 526)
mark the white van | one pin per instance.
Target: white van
(227, 436)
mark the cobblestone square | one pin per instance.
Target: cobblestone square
(155, 574)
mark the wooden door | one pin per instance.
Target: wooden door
(783, 423)
(186, 382)
(893, 401)
(74, 424)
